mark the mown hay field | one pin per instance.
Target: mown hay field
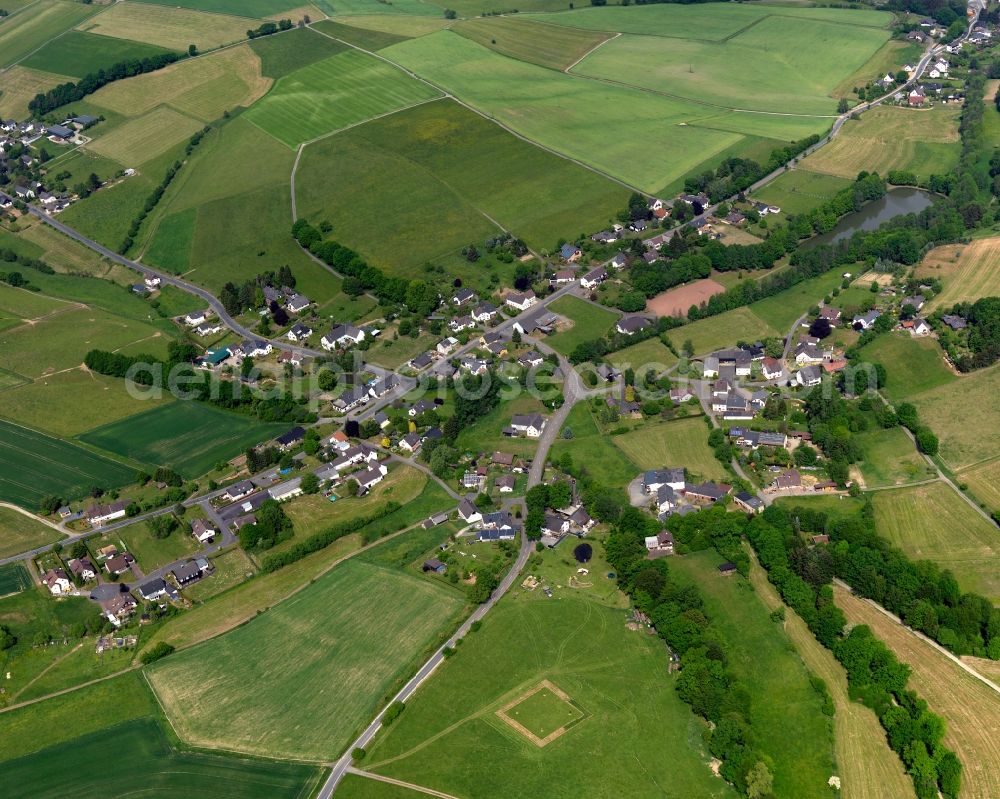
(171, 27)
(342, 90)
(281, 55)
(933, 522)
(190, 437)
(550, 46)
(352, 633)
(945, 410)
(891, 458)
(922, 141)
(203, 88)
(651, 352)
(365, 38)
(780, 64)
(148, 136)
(968, 271)
(867, 767)
(661, 445)
(407, 25)
(34, 465)
(19, 533)
(20, 85)
(30, 29)
(245, 8)
(456, 168)
(984, 483)
(970, 708)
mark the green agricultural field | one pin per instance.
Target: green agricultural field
(550, 46)
(261, 9)
(281, 55)
(590, 321)
(891, 458)
(706, 22)
(353, 635)
(78, 54)
(19, 533)
(190, 437)
(20, 85)
(923, 141)
(888, 58)
(580, 643)
(684, 442)
(781, 310)
(652, 351)
(780, 64)
(455, 167)
(984, 483)
(933, 522)
(398, 8)
(914, 365)
(722, 330)
(945, 410)
(798, 191)
(592, 450)
(365, 38)
(170, 248)
(407, 25)
(337, 92)
(34, 465)
(148, 763)
(174, 28)
(14, 578)
(788, 723)
(145, 137)
(29, 30)
(644, 139)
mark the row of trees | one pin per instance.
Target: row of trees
(70, 92)
(802, 576)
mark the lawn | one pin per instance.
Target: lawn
(247, 8)
(365, 38)
(152, 553)
(649, 353)
(924, 142)
(14, 578)
(914, 365)
(866, 765)
(580, 643)
(932, 522)
(781, 310)
(891, 458)
(19, 533)
(190, 436)
(590, 321)
(789, 727)
(29, 30)
(723, 330)
(888, 58)
(148, 763)
(145, 137)
(984, 483)
(78, 54)
(174, 28)
(20, 85)
(485, 434)
(280, 55)
(785, 64)
(203, 88)
(592, 450)
(683, 442)
(337, 92)
(455, 167)
(971, 709)
(354, 632)
(34, 465)
(543, 712)
(550, 46)
(945, 410)
(968, 271)
(798, 190)
(230, 569)
(637, 136)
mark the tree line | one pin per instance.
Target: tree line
(70, 92)
(980, 342)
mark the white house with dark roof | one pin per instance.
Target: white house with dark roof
(297, 303)
(530, 425)
(342, 336)
(463, 296)
(484, 312)
(299, 332)
(631, 325)
(594, 278)
(521, 301)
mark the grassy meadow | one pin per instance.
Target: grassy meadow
(798, 190)
(352, 634)
(891, 458)
(968, 271)
(550, 46)
(592, 450)
(281, 55)
(171, 27)
(34, 465)
(365, 38)
(682, 442)
(781, 310)
(77, 54)
(652, 351)
(722, 330)
(579, 642)
(30, 29)
(486, 433)
(147, 136)
(914, 365)
(590, 321)
(20, 85)
(984, 483)
(14, 578)
(190, 437)
(337, 92)
(19, 533)
(933, 522)
(456, 168)
(248, 8)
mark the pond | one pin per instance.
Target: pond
(896, 202)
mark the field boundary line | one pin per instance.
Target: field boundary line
(956, 660)
(917, 484)
(591, 50)
(494, 120)
(30, 515)
(399, 783)
(69, 690)
(46, 670)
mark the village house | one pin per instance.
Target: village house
(153, 589)
(531, 359)
(484, 312)
(209, 328)
(83, 569)
(788, 480)
(915, 301)
(292, 438)
(829, 314)
(448, 345)
(297, 303)
(748, 502)
(118, 608)
(660, 545)
(594, 278)
(630, 325)
(434, 565)
(460, 323)
(679, 395)
(667, 499)
(808, 354)
(954, 321)
(521, 301)
(57, 581)
(286, 491)
(289, 357)
(772, 369)
(530, 425)
(379, 388)
(351, 399)
(563, 276)
(244, 488)
(203, 530)
(299, 332)
(570, 253)
(185, 574)
(463, 296)
(420, 407)
(195, 318)
(505, 483)
(619, 261)
(119, 564)
(707, 493)
(653, 479)
(468, 512)
(342, 336)
(422, 361)
(809, 376)
(99, 515)
(371, 476)
(474, 366)
(410, 442)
